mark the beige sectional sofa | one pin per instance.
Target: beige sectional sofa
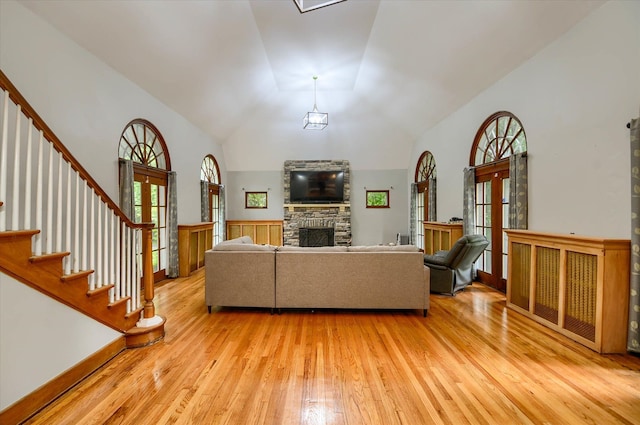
(372, 277)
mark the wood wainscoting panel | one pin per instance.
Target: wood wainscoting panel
(260, 231)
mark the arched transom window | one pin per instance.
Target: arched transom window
(500, 136)
(142, 143)
(209, 171)
(426, 167)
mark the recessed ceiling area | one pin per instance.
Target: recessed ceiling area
(388, 70)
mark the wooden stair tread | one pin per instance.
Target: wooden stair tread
(48, 257)
(75, 276)
(116, 303)
(18, 233)
(98, 291)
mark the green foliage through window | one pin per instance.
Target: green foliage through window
(255, 200)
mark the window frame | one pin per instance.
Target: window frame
(386, 196)
(249, 194)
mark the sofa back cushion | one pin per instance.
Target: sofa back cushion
(288, 248)
(243, 247)
(384, 248)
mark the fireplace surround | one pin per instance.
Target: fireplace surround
(299, 216)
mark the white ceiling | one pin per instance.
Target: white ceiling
(224, 63)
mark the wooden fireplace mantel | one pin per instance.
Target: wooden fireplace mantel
(341, 207)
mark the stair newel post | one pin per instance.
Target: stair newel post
(147, 273)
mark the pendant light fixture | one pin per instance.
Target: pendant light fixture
(315, 120)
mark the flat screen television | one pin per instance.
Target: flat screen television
(317, 186)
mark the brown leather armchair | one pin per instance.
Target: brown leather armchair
(453, 270)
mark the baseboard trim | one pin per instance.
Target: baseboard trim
(30, 404)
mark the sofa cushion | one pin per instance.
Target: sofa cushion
(243, 247)
(384, 248)
(236, 241)
(288, 248)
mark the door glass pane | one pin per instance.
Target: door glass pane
(487, 261)
(154, 238)
(487, 192)
(163, 258)
(155, 261)
(154, 195)
(154, 216)
(138, 214)
(162, 197)
(505, 262)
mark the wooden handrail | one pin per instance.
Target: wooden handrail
(39, 123)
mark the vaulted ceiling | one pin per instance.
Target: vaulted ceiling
(388, 70)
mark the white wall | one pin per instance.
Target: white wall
(373, 226)
(40, 339)
(87, 104)
(239, 182)
(574, 99)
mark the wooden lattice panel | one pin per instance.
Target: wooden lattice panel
(548, 283)
(581, 286)
(520, 274)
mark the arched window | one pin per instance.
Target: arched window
(500, 137)
(212, 208)
(425, 196)
(142, 146)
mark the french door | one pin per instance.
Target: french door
(492, 217)
(215, 213)
(150, 197)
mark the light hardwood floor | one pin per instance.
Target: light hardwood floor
(471, 361)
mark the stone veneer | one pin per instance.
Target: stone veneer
(325, 214)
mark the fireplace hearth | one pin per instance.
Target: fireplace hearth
(316, 236)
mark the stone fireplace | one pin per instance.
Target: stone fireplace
(329, 224)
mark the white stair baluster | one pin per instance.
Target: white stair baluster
(27, 179)
(105, 243)
(3, 161)
(85, 235)
(117, 280)
(98, 242)
(38, 236)
(67, 230)
(112, 251)
(15, 203)
(92, 243)
(59, 207)
(48, 230)
(76, 230)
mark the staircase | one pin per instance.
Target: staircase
(62, 235)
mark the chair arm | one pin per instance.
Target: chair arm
(437, 267)
(435, 260)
